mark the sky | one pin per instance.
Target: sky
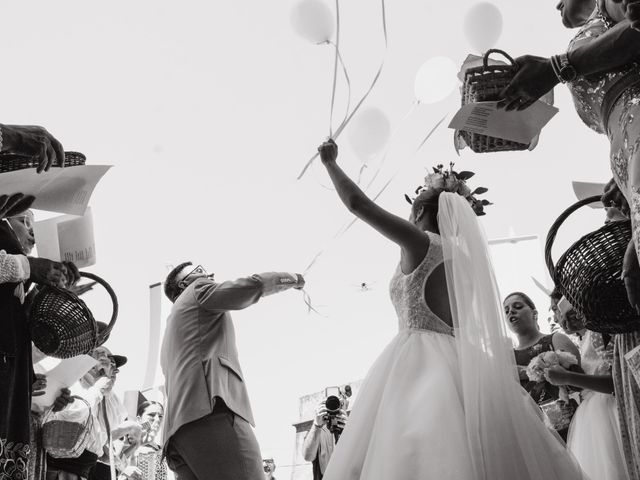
(208, 111)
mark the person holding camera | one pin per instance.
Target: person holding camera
(322, 437)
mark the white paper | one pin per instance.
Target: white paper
(63, 190)
(485, 118)
(67, 238)
(587, 189)
(61, 374)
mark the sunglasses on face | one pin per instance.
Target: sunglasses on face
(26, 220)
(199, 270)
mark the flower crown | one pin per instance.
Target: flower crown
(451, 181)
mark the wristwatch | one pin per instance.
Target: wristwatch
(563, 69)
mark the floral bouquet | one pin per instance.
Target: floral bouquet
(541, 363)
(451, 181)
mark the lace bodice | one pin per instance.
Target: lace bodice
(595, 357)
(407, 293)
(588, 92)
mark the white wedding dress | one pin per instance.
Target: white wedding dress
(435, 406)
(594, 433)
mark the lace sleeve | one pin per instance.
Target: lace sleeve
(605, 353)
(13, 268)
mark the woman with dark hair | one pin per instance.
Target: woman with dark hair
(522, 318)
(144, 461)
(441, 401)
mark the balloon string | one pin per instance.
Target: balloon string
(347, 81)
(346, 121)
(307, 301)
(347, 226)
(389, 143)
(335, 68)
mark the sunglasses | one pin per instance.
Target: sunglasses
(26, 220)
(199, 270)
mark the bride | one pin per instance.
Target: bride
(443, 400)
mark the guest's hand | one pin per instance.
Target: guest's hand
(522, 372)
(11, 205)
(63, 400)
(328, 151)
(341, 418)
(131, 429)
(301, 282)
(613, 197)
(33, 141)
(39, 385)
(132, 472)
(47, 272)
(556, 376)
(320, 415)
(71, 274)
(631, 276)
(534, 78)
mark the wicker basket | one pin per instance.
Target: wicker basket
(64, 438)
(589, 274)
(61, 324)
(10, 162)
(484, 84)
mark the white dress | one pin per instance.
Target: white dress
(594, 435)
(408, 422)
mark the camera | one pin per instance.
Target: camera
(336, 399)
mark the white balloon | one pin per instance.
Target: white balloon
(435, 80)
(369, 132)
(313, 21)
(483, 26)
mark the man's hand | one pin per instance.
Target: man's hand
(39, 385)
(556, 376)
(105, 384)
(132, 472)
(47, 272)
(71, 273)
(301, 282)
(341, 419)
(130, 428)
(63, 400)
(328, 151)
(534, 78)
(631, 276)
(11, 205)
(320, 415)
(34, 142)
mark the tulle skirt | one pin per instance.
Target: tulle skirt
(594, 438)
(408, 423)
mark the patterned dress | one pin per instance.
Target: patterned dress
(543, 393)
(623, 131)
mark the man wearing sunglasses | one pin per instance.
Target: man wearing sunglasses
(208, 421)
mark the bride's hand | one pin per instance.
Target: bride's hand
(556, 376)
(328, 151)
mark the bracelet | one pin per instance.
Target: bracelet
(555, 65)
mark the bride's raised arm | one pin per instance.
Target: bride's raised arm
(413, 241)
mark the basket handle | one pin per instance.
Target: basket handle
(104, 334)
(553, 231)
(485, 60)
